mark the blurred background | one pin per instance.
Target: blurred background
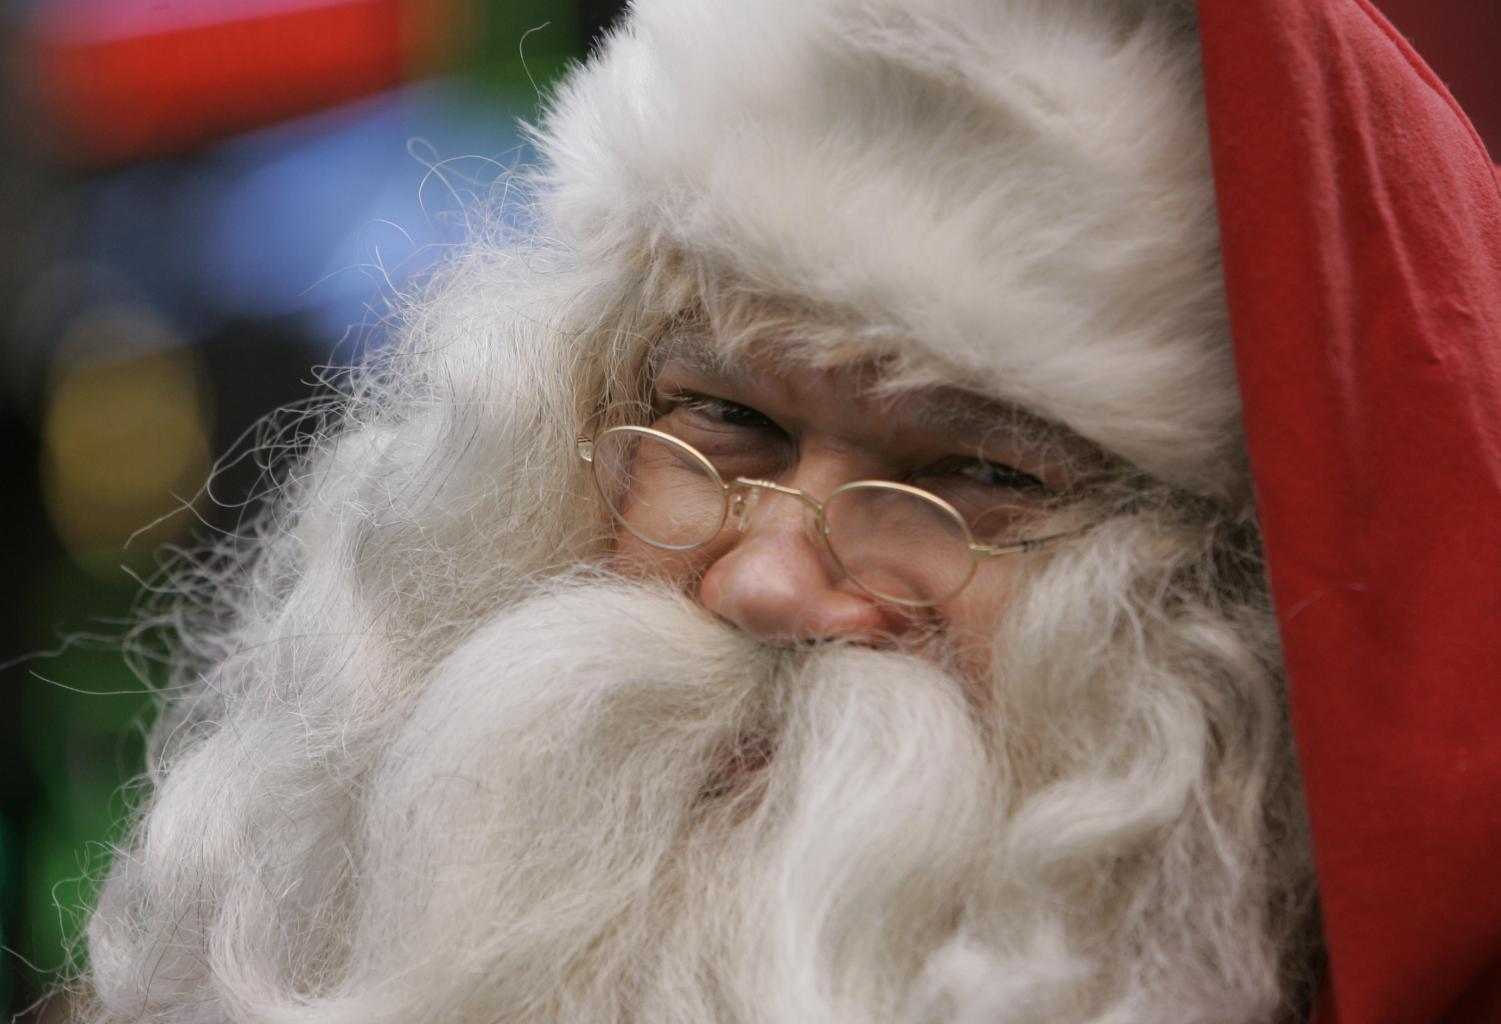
(204, 204)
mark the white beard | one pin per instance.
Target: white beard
(606, 806)
(578, 822)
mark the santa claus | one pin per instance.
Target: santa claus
(815, 573)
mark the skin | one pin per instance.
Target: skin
(821, 429)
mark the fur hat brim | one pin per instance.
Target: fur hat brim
(1014, 197)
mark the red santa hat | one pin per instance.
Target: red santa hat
(1361, 226)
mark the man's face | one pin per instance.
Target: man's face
(455, 749)
(661, 798)
(769, 569)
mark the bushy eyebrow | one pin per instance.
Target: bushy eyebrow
(982, 420)
(946, 410)
(692, 351)
(950, 411)
(969, 416)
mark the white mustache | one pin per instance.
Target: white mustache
(562, 776)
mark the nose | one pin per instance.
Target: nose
(779, 583)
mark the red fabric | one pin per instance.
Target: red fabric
(1361, 226)
(1458, 39)
(162, 93)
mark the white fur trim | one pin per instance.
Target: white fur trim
(1012, 194)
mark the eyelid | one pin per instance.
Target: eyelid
(687, 398)
(1029, 481)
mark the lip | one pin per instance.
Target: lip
(739, 770)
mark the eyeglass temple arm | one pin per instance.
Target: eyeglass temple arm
(1034, 544)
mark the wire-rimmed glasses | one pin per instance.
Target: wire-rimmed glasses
(899, 543)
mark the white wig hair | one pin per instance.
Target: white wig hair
(422, 759)
(1014, 194)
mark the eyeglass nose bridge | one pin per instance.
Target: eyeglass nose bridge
(745, 495)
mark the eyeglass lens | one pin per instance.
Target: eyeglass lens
(898, 544)
(894, 543)
(663, 492)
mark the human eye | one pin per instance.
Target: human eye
(1000, 502)
(999, 476)
(737, 438)
(693, 407)
(980, 475)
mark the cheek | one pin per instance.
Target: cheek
(634, 558)
(630, 556)
(973, 620)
